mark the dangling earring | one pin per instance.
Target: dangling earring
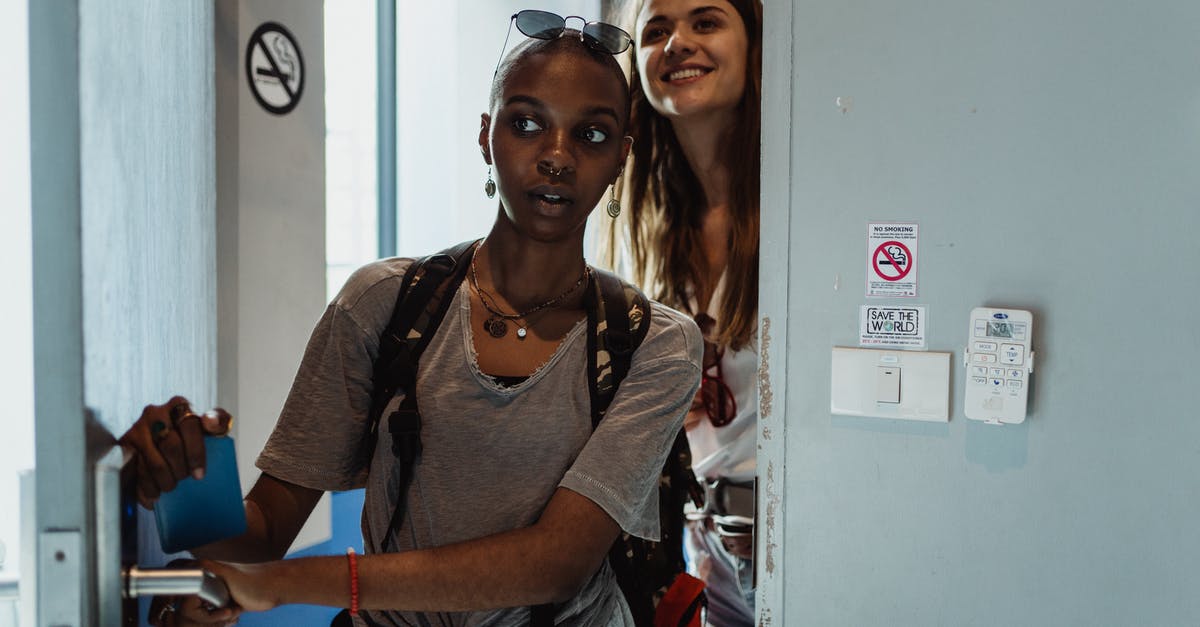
(489, 187)
(614, 205)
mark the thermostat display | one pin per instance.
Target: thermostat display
(998, 329)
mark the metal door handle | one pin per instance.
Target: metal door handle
(172, 581)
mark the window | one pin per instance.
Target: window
(16, 317)
(350, 173)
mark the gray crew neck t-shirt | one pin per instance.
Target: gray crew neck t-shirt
(492, 455)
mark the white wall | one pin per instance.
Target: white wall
(1048, 151)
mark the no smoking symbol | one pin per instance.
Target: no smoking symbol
(275, 68)
(892, 261)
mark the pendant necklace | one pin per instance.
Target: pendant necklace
(496, 324)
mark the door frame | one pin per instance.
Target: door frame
(773, 301)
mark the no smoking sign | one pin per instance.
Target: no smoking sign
(275, 68)
(892, 259)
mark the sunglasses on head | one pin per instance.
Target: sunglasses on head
(546, 25)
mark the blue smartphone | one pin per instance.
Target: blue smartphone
(199, 512)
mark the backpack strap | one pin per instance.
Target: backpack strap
(644, 570)
(618, 320)
(425, 295)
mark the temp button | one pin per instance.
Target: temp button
(1012, 354)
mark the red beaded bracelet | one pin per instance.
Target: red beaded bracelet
(350, 555)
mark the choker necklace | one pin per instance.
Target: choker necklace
(495, 325)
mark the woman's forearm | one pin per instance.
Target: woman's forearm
(275, 512)
(250, 547)
(489, 573)
(548, 562)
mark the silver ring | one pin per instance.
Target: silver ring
(168, 608)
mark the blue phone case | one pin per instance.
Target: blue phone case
(199, 512)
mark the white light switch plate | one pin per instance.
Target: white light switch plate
(924, 384)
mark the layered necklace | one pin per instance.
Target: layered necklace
(496, 324)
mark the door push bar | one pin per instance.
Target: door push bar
(174, 581)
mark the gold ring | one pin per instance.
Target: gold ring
(179, 411)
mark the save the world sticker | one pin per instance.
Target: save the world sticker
(892, 326)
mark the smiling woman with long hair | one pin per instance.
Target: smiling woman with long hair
(690, 236)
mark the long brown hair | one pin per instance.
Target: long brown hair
(665, 203)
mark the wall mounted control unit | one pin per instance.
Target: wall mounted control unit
(999, 361)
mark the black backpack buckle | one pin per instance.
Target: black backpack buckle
(404, 425)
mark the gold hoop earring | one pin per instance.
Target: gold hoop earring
(489, 187)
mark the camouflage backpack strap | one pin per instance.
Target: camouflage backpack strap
(419, 303)
(646, 570)
(618, 320)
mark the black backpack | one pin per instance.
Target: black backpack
(644, 570)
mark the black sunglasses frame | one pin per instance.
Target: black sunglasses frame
(587, 33)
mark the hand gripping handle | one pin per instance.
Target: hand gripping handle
(173, 581)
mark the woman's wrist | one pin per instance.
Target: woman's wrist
(257, 587)
(311, 580)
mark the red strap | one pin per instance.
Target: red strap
(681, 604)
